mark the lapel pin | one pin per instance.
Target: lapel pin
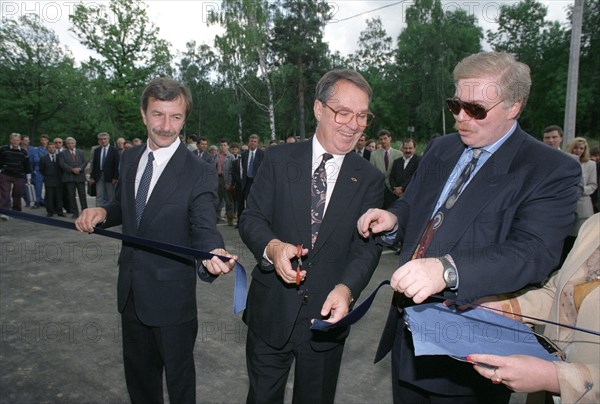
(353, 179)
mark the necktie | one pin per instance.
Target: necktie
(318, 193)
(73, 155)
(251, 165)
(434, 224)
(102, 158)
(142, 193)
(386, 160)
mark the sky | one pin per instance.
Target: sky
(180, 21)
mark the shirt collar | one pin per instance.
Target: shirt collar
(496, 145)
(319, 150)
(163, 154)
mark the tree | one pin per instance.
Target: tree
(298, 43)
(195, 68)
(37, 76)
(433, 42)
(243, 48)
(374, 48)
(129, 53)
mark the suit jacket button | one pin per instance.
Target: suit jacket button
(300, 292)
(310, 264)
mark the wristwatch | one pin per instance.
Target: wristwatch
(450, 273)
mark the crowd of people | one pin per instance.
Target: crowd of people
(479, 216)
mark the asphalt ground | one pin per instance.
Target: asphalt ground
(60, 329)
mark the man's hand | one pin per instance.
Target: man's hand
(418, 279)
(216, 266)
(398, 191)
(75, 170)
(91, 181)
(89, 218)
(337, 304)
(376, 221)
(280, 254)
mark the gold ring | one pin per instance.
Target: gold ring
(495, 378)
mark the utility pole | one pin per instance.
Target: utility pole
(573, 78)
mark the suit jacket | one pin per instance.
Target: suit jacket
(366, 153)
(279, 207)
(259, 155)
(400, 176)
(226, 167)
(51, 171)
(498, 233)
(180, 210)
(66, 162)
(377, 158)
(205, 156)
(111, 164)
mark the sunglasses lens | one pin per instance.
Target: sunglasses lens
(473, 110)
(453, 105)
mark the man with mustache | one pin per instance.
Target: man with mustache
(167, 194)
(486, 213)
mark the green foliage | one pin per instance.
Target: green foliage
(37, 76)
(260, 74)
(129, 54)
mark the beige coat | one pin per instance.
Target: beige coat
(579, 376)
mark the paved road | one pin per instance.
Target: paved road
(60, 334)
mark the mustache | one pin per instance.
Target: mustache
(161, 132)
(459, 126)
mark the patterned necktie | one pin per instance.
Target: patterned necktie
(436, 221)
(458, 187)
(386, 160)
(318, 194)
(142, 193)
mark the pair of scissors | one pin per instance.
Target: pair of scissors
(299, 256)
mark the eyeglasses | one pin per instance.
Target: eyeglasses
(363, 119)
(475, 111)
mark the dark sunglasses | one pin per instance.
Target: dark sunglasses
(475, 111)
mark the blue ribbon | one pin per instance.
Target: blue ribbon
(239, 292)
(360, 310)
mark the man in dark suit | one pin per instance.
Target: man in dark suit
(72, 161)
(361, 147)
(202, 150)
(250, 163)
(165, 194)
(473, 222)
(404, 168)
(52, 181)
(105, 169)
(291, 204)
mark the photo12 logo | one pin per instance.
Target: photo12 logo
(51, 12)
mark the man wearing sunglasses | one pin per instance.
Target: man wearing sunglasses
(486, 213)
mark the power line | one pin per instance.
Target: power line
(370, 11)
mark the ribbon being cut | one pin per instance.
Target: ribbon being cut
(441, 330)
(240, 289)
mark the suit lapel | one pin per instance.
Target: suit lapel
(127, 184)
(165, 186)
(490, 179)
(348, 182)
(297, 177)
